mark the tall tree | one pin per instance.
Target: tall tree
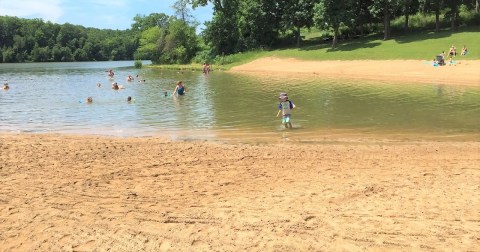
(385, 9)
(453, 7)
(298, 14)
(409, 7)
(142, 22)
(330, 14)
(222, 33)
(182, 10)
(362, 15)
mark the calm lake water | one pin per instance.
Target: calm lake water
(50, 97)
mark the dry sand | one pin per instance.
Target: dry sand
(88, 193)
(464, 72)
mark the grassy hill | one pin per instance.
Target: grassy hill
(415, 46)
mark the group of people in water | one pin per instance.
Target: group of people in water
(179, 90)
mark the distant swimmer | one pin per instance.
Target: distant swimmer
(130, 78)
(89, 99)
(99, 85)
(115, 86)
(5, 86)
(110, 73)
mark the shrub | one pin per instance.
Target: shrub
(138, 64)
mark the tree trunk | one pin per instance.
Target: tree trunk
(437, 20)
(335, 36)
(477, 6)
(405, 26)
(386, 24)
(454, 20)
(298, 37)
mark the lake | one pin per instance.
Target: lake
(50, 98)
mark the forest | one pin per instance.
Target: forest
(237, 26)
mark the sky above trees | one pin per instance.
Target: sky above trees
(103, 14)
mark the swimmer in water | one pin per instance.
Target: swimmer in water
(180, 89)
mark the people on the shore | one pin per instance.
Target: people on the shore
(285, 106)
(453, 51)
(464, 50)
(180, 89)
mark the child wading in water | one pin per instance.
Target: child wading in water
(285, 107)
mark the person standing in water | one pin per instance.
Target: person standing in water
(285, 106)
(180, 89)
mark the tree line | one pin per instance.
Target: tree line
(236, 26)
(240, 25)
(33, 40)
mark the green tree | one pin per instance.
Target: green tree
(298, 14)
(330, 14)
(182, 10)
(148, 45)
(142, 22)
(222, 33)
(180, 43)
(385, 9)
(409, 7)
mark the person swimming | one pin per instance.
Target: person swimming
(115, 86)
(5, 86)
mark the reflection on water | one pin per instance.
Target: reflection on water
(50, 97)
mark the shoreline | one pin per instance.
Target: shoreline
(83, 193)
(341, 191)
(464, 72)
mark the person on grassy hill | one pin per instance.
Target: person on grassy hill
(464, 50)
(453, 51)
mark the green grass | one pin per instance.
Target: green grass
(414, 46)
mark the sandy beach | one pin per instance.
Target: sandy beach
(463, 72)
(91, 193)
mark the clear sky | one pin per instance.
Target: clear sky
(103, 14)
